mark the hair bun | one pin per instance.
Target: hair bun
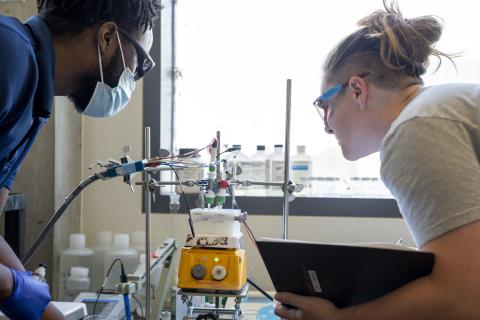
(403, 43)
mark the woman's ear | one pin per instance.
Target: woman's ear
(359, 89)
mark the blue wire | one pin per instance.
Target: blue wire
(128, 313)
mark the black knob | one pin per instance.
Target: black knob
(199, 271)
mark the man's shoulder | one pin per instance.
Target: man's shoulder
(16, 43)
(13, 30)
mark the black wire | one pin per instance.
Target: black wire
(231, 149)
(269, 297)
(139, 303)
(103, 285)
(190, 221)
(60, 211)
(234, 203)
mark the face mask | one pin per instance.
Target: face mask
(107, 101)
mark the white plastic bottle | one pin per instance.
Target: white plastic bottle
(103, 246)
(275, 169)
(301, 169)
(128, 256)
(77, 283)
(138, 241)
(195, 172)
(257, 165)
(76, 255)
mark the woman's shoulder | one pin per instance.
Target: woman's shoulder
(452, 101)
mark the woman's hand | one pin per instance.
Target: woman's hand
(311, 308)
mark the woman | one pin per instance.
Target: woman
(429, 143)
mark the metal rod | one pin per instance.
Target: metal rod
(222, 311)
(233, 183)
(287, 159)
(219, 173)
(148, 212)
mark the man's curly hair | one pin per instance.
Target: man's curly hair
(70, 17)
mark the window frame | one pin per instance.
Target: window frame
(159, 108)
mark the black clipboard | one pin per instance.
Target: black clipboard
(344, 274)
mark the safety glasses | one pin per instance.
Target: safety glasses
(321, 103)
(145, 63)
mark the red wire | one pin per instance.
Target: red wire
(250, 236)
(158, 160)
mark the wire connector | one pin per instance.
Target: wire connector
(125, 169)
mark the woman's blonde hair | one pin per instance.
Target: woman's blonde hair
(393, 49)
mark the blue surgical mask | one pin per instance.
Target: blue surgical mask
(107, 101)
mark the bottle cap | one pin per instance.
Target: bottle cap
(77, 241)
(278, 146)
(104, 238)
(260, 148)
(223, 184)
(138, 238)
(121, 241)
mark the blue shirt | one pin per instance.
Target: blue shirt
(27, 73)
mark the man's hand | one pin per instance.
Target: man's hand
(6, 282)
(311, 308)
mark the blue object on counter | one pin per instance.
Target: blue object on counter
(266, 313)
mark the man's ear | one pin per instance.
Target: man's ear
(359, 88)
(107, 37)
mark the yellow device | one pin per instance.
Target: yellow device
(212, 269)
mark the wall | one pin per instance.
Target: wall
(68, 173)
(111, 205)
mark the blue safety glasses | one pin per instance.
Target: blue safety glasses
(321, 103)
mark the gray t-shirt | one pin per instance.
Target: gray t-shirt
(430, 160)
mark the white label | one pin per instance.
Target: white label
(253, 170)
(278, 170)
(300, 172)
(314, 280)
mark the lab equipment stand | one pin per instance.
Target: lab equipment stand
(217, 311)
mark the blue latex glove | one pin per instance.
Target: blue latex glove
(29, 297)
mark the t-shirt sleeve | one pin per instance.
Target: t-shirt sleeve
(431, 166)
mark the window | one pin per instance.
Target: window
(233, 58)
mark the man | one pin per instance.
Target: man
(92, 51)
